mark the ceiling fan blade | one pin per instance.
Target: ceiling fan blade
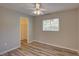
(35, 9)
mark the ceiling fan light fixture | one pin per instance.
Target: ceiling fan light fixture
(37, 12)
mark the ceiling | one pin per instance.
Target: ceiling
(49, 7)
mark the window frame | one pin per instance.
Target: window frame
(52, 30)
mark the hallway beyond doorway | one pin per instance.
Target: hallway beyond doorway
(24, 30)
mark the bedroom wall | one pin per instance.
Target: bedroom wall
(10, 29)
(66, 37)
(78, 29)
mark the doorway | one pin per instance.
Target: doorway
(24, 31)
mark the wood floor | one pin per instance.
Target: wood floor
(38, 49)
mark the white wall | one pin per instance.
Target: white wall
(66, 37)
(10, 29)
(31, 32)
(78, 29)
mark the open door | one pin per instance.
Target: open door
(24, 30)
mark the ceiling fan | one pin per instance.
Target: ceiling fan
(37, 10)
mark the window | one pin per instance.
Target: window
(51, 24)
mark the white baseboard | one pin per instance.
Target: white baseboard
(8, 50)
(30, 41)
(57, 45)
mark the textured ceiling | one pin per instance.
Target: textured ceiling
(49, 7)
